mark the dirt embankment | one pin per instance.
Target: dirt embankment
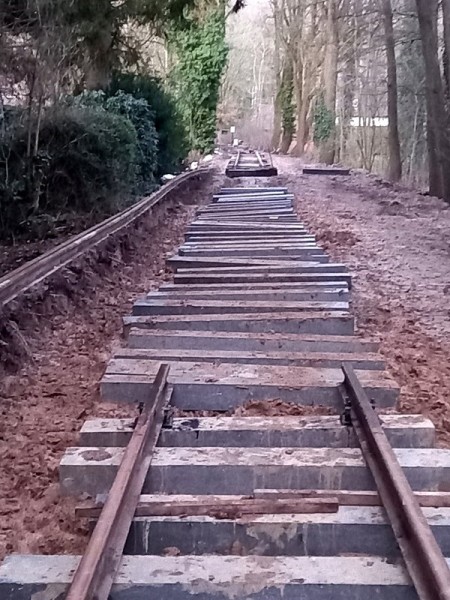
(69, 330)
(397, 244)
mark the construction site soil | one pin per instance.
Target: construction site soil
(395, 241)
(70, 337)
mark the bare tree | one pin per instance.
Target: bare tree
(277, 65)
(446, 21)
(437, 120)
(330, 73)
(395, 160)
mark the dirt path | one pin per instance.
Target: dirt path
(43, 407)
(397, 244)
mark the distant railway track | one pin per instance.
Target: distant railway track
(251, 164)
(338, 501)
(19, 281)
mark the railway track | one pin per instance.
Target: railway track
(306, 493)
(35, 271)
(251, 164)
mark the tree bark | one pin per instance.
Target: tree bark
(277, 106)
(299, 106)
(99, 67)
(446, 56)
(302, 125)
(287, 120)
(277, 125)
(328, 146)
(349, 77)
(395, 160)
(437, 119)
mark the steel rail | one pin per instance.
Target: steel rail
(35, 271)
(100, 563)
(424, 560)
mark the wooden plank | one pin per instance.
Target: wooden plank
(352, 498)
(325, 171)
(226, 508)
(277, 502)
(98, 567)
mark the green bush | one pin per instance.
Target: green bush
(85, 161)
(138, 112)
(173, 146)
(89, 155)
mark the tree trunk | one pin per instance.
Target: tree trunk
(302, 125)
(349, 77)
(99, 67)
(328, 146)
(277, 125)
(287, 106)
(437, 120)
(395, 160)
(446, 56)
(299, 107)
(286, 141)
(277, 106)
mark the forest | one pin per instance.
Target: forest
(99, 98)
(345, 81)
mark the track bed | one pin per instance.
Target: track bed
(256, 489)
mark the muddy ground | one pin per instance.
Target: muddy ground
(396, 242)
(44, 405)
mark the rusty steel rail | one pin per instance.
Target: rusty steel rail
(37, 270)
(424, 560)
(100, 563)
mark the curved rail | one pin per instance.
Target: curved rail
(37, 270)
